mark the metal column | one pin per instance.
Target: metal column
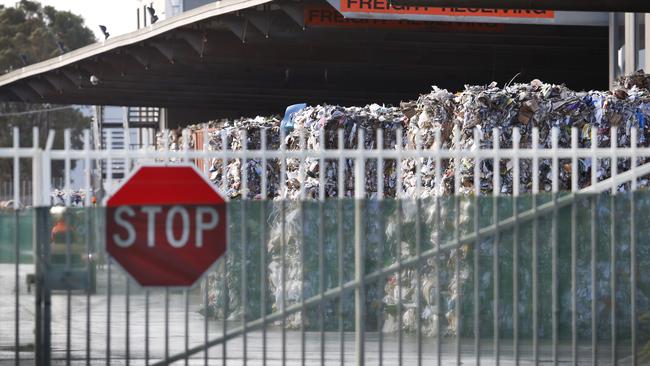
(43, 294)
(631, 48)
(613, 49)
(647, 42)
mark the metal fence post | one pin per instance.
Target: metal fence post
(359, 294)
(43, 293)
(38, 357)
(41, 165)
(36, 177)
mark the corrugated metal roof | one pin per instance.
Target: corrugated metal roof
(194, 16)
(248, 57)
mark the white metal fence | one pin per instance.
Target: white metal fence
(414, 173)
(434, 157)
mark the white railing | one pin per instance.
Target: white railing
(433, 158)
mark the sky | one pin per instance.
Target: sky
(119, 16)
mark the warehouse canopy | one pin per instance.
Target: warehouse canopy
(238, 57)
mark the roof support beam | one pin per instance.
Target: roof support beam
(239, 27)
(141, 55)
(166, 50)
(234, 24)
(25, 95)
(74, 77)
(37, 86)
(260, 20)
(58, 82)
(295, 12)
(195, 40)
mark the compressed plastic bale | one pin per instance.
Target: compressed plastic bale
(483, 107)
(537, 104)
(310, 123)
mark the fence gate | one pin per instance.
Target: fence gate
(351, 254)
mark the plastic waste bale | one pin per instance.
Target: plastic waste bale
(301, 187)
(527, 105)
(298, 233)
(483, 108)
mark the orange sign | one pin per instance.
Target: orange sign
(384, 6)
(326, 16)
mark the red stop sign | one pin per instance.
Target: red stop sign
(166, 225)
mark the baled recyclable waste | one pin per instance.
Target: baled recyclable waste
(466, 120)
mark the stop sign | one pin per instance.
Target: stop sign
(166, 225)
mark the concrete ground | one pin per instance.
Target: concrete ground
(99, 328)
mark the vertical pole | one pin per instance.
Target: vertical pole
(301, 206)
(127, 330)
(38, 315)
(321, 245)
(633, 238)
(16, 186)
(554, 249)
(459, 292)
(647, 42)
(108, 311)
(166, 323)
(633, 279)
(516, 136)
(126, 130)
(418, 249)
(205, 320)
(496, 190)
(44, 262)
(340, 241)
(47, 293)
(613, 49)
(90, 264)
(359, 298)
(36, 200)
(437, 144)
(630, 43)
(46, 181)
(186, 295)
(263, 260)
(612, 243)
(226, 293)
(206, 279)
(244, 246)
(574, 247)
(535, 249)
(400, 196)
(477, 248)
(109, 189)
(146, 327)
(68, 244)
(97, 163)
(36, 169)
(283, 245)
(594, 242)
